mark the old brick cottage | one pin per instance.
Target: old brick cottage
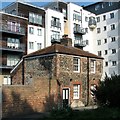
(56, 76)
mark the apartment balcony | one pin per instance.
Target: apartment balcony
(55, 39)
(13, 29)
(3, 64)
(12, 47)
(55, 24)
(80, 43)
(79, 30)
(92, 22)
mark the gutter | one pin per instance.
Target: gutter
(87, 82)
(16, 66)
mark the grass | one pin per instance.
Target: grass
(95, 114)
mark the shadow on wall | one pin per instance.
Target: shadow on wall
(52, 103)
(14, 105)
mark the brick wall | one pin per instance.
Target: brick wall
(40, 96)
(44, 80)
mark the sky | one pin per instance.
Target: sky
(4, 3)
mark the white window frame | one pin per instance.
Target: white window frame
(94, 65)
(76, 64)
(7, 80)
(39, 46)
(31, 30)
(76, 91)
(39, 32)
(31, 45)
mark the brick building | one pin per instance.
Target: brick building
(56, 76)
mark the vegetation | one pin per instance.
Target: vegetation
(95, 114)
(108, 92)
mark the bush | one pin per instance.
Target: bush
(108, 92)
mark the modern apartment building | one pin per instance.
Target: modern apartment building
(12, 43)
(94, 28)
(107, 34)
(35, 23)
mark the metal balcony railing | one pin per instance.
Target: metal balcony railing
(13, 47)
(12, 29)
(55, 24)
(80, 43)
(92, 22)
(79, 30)
(55, 38)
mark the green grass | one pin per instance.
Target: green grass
(96, 114)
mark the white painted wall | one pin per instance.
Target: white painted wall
(48, 29)
(109, 45)
(35, 38)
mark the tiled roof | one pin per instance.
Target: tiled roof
(58, 48)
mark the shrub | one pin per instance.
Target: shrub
(108, 92)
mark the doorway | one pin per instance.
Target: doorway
(65, 94)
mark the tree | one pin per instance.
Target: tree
(108, 91)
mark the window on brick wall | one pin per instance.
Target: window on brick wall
(7, 80)
(76, 64)
(76, 91)
(92, 66)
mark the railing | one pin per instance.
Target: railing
(92, 22)
(55, 38)
(12, 28)
(12, 47)
(3, 63)
(55, 24)
(80, 43)
(79, 30)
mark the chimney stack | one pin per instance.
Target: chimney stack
(66, 41)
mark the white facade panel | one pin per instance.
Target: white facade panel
(52, 21)
(35, 36)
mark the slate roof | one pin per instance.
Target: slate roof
(58, 48)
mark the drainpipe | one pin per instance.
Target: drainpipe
(23, 71)
(87, 82)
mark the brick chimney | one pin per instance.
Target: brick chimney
(66, 41)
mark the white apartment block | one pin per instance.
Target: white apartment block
(94, 28)
(54, 26)
(106, 39)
